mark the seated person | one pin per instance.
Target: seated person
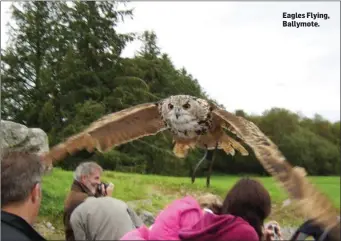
(246, 206)
(103, 218)
(181, 213)
(210, 203)
(21, 174)
(243, 212)
(87, 177)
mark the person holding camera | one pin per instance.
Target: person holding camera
(87, 183)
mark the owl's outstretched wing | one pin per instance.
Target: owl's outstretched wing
(112, 130)
(310, 202)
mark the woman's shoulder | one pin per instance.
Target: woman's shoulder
(244, 230)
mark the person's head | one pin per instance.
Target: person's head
(89, 174)
(21, 174)
(210, 201)
(249, 200)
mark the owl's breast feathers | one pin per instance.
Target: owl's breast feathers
(189, 127)
(208, 139)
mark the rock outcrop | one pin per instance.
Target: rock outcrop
(16, 136)
(147, 217)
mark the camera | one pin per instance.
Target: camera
(275, 231)
(99, 187)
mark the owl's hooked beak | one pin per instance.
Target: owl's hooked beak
(177, 113)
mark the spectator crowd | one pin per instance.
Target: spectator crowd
(92, 213)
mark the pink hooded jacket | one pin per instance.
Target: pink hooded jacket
(219, 227)
(181, 213)
(183, 219)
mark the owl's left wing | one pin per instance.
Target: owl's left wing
(111, 130)
(310, 202)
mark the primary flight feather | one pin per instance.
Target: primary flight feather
(309, 201)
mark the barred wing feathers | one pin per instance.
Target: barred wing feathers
(112, 130)
(310, 202)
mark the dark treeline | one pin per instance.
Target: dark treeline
(63, 69)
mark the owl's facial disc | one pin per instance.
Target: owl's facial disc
(180, 112)
(185, 115)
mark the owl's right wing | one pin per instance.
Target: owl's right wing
(310, 202)
(111, 130)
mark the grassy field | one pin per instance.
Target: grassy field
(161, 190)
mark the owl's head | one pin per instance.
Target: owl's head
(184, 108)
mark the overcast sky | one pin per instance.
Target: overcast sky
(242, 46)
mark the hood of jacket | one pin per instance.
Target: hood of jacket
(219, 227)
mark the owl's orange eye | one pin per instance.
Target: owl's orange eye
(186, 106)
(170, 106)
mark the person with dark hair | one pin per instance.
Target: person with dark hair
(21, 174)
(239, 218)
(249, 200)
(246, 206)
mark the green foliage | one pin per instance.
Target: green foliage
(316, 154)
(24, 66)
(63, 69)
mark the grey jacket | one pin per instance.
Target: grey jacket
(103, 218)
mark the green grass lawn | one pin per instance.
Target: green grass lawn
(161, 190)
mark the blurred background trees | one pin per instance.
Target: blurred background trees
(63, 69)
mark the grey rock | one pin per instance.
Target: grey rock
(287, 232)
(19, 137)
(147, 217)
(15, 136)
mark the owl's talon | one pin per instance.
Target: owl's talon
(198, 164)
(211, 158)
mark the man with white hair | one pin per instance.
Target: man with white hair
(87, 178)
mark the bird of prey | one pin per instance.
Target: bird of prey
(190, 120)
(194, 122)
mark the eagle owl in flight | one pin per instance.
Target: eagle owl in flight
(189, 119)
(196, 123)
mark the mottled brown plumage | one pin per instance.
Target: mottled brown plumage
(309, 201)
(189, 119)
(195, 123)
